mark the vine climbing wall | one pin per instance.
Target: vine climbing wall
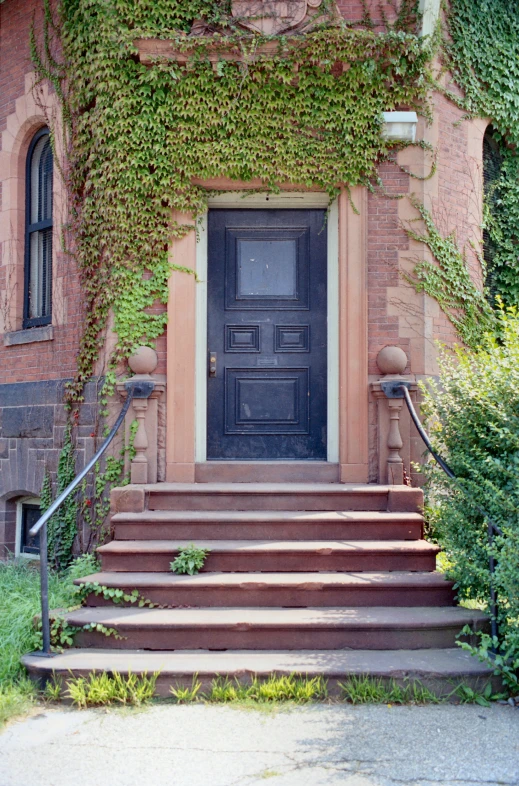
(135, 140)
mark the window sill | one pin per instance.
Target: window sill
(28, 336)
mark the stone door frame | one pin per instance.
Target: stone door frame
(347, 315)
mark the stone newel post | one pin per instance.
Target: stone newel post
(395, 464)
(391, 362)
(143, 467)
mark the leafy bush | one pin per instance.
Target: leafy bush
(473, 419)
(190, 559)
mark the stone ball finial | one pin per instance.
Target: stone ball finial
(143, 361)
(391, 360)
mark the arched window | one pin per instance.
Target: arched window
(492, 163)
(38, 232)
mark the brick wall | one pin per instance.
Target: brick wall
(353, 10)
(458, 205)
(34, 364)
(15, 60)
(385, 239)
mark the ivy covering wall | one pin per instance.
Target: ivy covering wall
(483, 55)
(139, 137)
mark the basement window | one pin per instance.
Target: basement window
(28, 512)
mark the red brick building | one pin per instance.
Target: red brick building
(369, 305)
(268, 438)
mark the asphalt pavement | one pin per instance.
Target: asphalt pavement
(312, 745)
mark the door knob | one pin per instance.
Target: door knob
(212, 364)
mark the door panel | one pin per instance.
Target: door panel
(267, 334)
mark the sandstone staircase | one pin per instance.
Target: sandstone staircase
(309, 578)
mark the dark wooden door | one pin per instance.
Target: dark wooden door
(267, 335)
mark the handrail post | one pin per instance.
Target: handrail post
(493, 597)
(395, 464)
(44, 585)
(139, 465)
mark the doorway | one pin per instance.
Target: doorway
(267, 335)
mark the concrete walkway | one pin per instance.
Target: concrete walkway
(318, 745)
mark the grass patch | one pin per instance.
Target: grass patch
(99, 690)
(368, 690)
(185, 694)
(273, 690)
(16, 698)
(20, 594)
(297, 689)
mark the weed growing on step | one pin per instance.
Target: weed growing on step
(98, 627)
(186, 695)
(99, 690)
(114, 594)
(190, 559)
(368, 690)
(468, 695)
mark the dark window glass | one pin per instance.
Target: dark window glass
(267, 269)
(492, 163)
(38, 235)
(30, 515)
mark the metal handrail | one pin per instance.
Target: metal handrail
(400, 389)
(135, 389)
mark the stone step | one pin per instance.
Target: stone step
(266, 496)
(281, 589)
(273, 556)
(267, 472)
(199, 525)
(267, 628)
(440, 669)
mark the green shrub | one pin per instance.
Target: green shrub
(473, 419)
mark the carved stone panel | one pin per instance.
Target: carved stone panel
(273, 17)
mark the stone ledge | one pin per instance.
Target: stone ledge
(28, 336)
